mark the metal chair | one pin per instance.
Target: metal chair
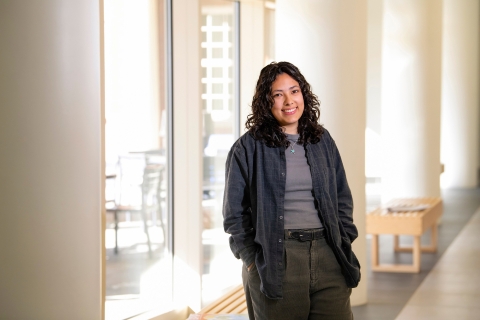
(138, 187)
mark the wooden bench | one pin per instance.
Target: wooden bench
(232, 302)
(415, 223)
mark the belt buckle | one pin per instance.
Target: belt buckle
(297, 235)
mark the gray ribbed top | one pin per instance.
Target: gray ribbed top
(300, 212)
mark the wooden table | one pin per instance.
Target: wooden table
(415, 223)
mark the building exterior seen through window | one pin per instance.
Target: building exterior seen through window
(221, 270)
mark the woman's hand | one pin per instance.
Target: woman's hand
(250, 266)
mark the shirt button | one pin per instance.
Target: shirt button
(279, 263)
(283, 174)
(279, 240)
(281, 217)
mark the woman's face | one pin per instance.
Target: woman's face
(288, 102)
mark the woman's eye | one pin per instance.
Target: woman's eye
(295, 91)
(276, 95)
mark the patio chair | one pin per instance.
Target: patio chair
(138, 191)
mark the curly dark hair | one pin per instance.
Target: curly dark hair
(261, 123)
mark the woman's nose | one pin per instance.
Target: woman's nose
(288, 101)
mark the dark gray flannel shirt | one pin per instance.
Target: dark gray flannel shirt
(254, 201)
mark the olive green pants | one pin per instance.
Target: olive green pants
(313, 286)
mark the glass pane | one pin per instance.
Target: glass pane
(138, 266)
(221, 270)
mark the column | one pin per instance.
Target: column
(327, 40)
(460, 143)
(251, 54)
(187, 155)
(374, 72)
(51, 162)
(411, 91)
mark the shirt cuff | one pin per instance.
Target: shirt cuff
(248, 255)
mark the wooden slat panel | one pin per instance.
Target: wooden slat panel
(232, 306)
(232, 302)
(213, 305)
(221, 306)
(241, 309)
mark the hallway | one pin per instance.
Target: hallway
(407, 296)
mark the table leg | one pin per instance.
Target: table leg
(434, 237)
(375, 250)
(432, 247)
(416, 253)
(396, 243)
(116, 232)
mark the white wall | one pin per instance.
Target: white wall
(51, 160)
(327, 41)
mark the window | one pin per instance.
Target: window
(138, 266)
(219, 40)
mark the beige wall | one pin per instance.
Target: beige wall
(51, 160)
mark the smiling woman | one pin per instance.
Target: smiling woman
(288, 102)
(281, 88)
(288, 213)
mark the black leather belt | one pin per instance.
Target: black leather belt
(305, 234)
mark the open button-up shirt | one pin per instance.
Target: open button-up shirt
(254, 204)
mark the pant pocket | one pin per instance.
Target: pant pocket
(253, 268)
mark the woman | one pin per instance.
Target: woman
(288, 207)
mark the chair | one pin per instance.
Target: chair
(138, 187)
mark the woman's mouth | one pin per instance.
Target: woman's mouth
(289, 111)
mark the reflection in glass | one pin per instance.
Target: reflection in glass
(138, 266)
